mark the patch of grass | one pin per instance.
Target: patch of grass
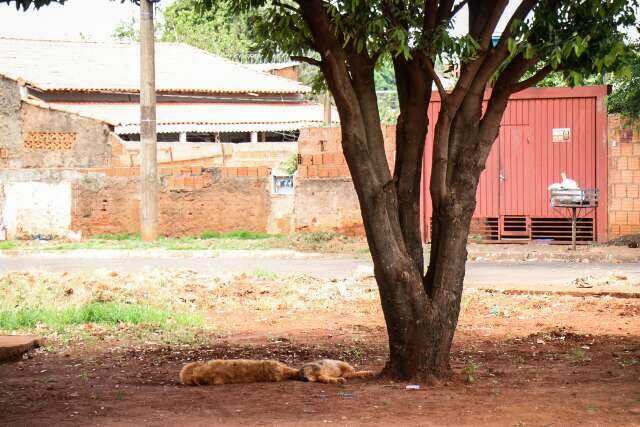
(353, 354)
(329, 242)
(99, 313)
(265, 274)
(236, 234)
(578, 355)
(318, 237)
(7, 244)
(205, 235)
(117, 236)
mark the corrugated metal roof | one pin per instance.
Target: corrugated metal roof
(87, 66)
(204, 117)
(270, 66)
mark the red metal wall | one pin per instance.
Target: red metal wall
(524, 161)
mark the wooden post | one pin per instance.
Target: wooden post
(148, 139)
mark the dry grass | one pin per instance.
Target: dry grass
(172, 306)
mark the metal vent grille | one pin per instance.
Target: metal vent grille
(558, 230)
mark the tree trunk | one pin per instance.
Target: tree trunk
(420, 342)
(421, 311)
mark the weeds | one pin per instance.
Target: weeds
(470, 371)
(98, 313)
(578, 355)
(354, 354)
(329, 242)
(236, 235)
(265, 274)
(117, 236)
(319, 237)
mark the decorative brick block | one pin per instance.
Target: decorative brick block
(50, 141)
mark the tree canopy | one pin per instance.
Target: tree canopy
(625, 98)
(26, 4)
(219, 31)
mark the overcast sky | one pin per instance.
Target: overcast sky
(96, 19)
(76, 19)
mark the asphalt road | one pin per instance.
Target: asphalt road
(495, 273)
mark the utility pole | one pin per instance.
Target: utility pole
(148, 139)
(327, 108)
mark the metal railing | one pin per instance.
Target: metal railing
(575, 198)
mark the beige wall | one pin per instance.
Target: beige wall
(91, 146)
(10, 122)
(327, 204)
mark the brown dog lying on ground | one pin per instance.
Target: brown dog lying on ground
(330, 371)
(236, 371)
(253, 371)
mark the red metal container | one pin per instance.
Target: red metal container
(544, 132)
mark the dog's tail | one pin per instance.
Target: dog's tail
(359, 374)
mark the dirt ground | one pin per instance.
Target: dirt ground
(519, 360)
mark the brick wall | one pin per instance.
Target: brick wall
(321, 154)
(192, 200)
(325, 197)
(624, 177)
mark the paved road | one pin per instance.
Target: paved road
(495, 273)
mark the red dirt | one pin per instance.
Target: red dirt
(540, 361)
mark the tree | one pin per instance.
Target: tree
(127, 31)
(217, 31)
(346, 39)
(625, 99)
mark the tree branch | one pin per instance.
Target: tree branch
(444, 11)
(520, 14)
(307, 60)
(457, 8)
(538, 76)
(286, 6)
(426, 63)
(491, 23)
(429, 20)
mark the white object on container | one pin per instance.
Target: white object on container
(567, 185)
